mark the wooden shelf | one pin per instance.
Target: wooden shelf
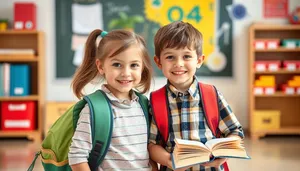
(277, 94)
(284, 130)
(268, 27)
(18, 58)
(26, 32)
(285, 104)
(20, 98)
(281, 71)
(26, 40)
(31, 135)
(281, 131)
(281, 49)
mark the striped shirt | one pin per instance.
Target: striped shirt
(128, 148)
(188, 121)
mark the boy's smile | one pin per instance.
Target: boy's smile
(179, 66)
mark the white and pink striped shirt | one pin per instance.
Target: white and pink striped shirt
(128, 148)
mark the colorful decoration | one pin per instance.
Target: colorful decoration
(294, 17)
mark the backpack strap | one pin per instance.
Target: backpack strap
(101, 126)
(209, 97)
(143, 100)
(160, 110)
(210, 104)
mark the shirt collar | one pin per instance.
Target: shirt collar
(112, 97)
(192, 90)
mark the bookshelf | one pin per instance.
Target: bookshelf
(33, 40)
(288, 105)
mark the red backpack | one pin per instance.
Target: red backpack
(208, 94)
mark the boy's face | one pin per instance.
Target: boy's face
(179, 66)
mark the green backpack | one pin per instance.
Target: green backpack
(55, 146)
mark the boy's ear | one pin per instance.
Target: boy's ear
(157, 61)
(200, 61)
(99, 66)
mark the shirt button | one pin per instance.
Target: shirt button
(180, 94)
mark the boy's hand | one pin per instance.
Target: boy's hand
(181, 169)
(216, 163)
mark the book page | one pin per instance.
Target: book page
(211, 143)
(231, 153)
(189, 144)
(179, 163)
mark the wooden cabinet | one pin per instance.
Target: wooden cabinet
(26, 40)
(286, 105)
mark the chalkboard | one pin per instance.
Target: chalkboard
(208, 16)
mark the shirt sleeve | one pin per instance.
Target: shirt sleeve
(81, 144)
(228, 125)
(154, 133)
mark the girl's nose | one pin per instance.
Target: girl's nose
(125, 72)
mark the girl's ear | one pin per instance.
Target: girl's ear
(200, 61)
(157, 61)
(99, 66)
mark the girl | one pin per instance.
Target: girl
(122, 60)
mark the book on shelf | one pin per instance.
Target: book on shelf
(188, 153)
(16, 51)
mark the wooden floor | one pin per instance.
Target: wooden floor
(270, 153)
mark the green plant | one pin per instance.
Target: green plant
(125, 21)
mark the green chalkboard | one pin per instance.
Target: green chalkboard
(111, 10)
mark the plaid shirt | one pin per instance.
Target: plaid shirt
(188, 121)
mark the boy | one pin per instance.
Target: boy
(178, 53)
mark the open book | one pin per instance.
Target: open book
(187, 153)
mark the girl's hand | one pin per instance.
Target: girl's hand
(216, 163)
(153, 165)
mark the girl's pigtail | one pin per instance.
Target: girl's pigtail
(87, 70)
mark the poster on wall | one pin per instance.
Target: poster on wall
(76, 18)
(275, 8)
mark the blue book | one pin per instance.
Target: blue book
(1, 80)
(19, 80)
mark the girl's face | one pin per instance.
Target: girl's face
(123, 71)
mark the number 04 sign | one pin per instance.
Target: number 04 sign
(205, 16)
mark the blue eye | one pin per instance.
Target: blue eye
(118, 65)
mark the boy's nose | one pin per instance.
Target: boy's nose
(178, 63)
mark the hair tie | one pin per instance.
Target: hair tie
(103, 33)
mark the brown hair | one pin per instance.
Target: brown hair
(178, 35)
(107, 48)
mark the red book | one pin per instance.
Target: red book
(24, 16)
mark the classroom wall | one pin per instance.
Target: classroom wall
(235, 88)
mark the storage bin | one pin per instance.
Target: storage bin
(288, 89)
(290, 43)
(272, 44)
(266, 120)
(267, 65)
(18, 115)
(291, 65)
(259, 44)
